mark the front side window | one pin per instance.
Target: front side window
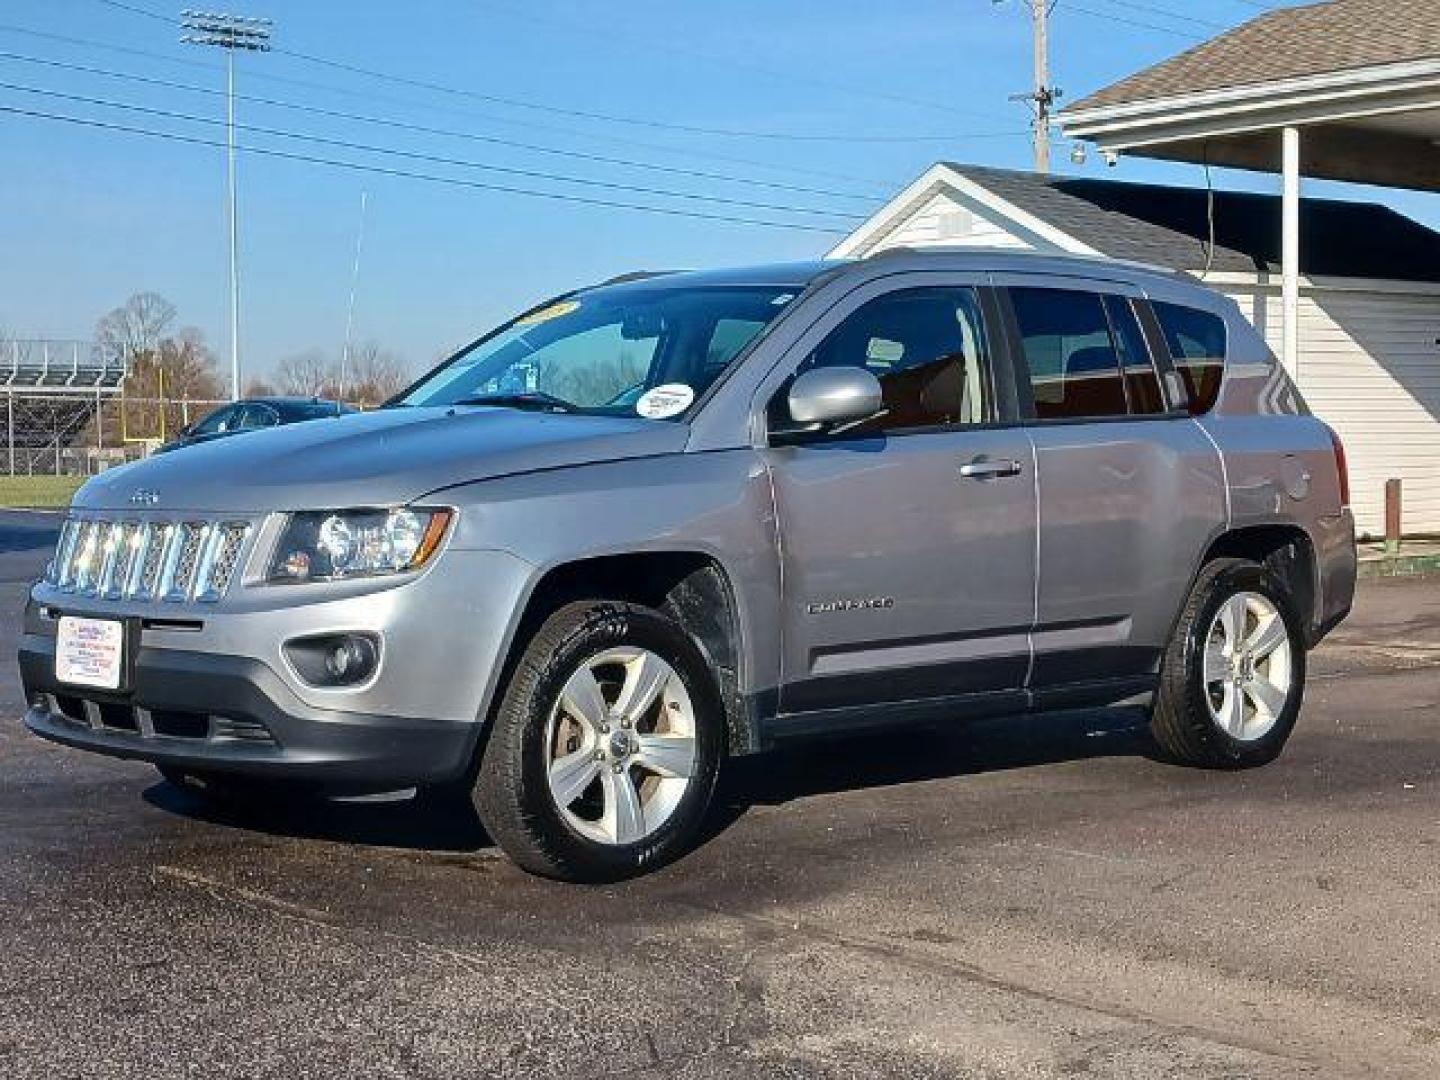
(222, 419)
(925, 346)
(1196, 340)
(258, 415)
(637, 349)
(1078, 366)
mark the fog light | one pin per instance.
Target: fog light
(349, 656)
(332, 660)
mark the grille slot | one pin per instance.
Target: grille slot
(71, 708)
(180, 725)
(148, 560)
(226, 727)
(120, 717)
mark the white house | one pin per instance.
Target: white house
(1369, 315)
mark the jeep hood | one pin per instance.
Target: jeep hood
(382, 458)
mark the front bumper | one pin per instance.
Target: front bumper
(210, 686)
(234, 714)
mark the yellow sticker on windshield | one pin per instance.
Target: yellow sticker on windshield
(545, 314)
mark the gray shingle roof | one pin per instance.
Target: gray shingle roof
(1167, 226)
(1290, 43)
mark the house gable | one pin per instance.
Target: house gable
(945, 207)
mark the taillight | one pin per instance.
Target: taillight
(1342, 468)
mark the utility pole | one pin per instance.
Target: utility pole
(1042, 96)
(229, 32)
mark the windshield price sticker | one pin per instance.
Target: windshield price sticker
(89, 652)
(664, 401)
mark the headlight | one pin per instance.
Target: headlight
(325, 545)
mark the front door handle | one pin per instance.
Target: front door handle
(989, 469)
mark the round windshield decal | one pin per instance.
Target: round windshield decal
(664, 401)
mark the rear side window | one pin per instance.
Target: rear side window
(1073, 359)
(1196, 340)
(1142, 381)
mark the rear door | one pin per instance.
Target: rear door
(907, 543)
(1129, 489)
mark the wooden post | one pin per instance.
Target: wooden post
(1392, 517)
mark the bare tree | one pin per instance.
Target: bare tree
(179, 370)
(309, 374)
(374, 376)
(258, 387)
(166, 369)
(135, 329)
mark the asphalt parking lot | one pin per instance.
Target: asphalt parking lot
(1032, 898)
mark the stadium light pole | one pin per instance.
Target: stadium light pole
(229, 32)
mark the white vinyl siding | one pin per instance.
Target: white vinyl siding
(1370, 368)
(942, 220)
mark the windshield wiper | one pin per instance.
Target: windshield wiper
(536, 400)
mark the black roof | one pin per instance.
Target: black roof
(1167, 226)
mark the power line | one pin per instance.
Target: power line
(138, 11)
(401, 125)
(1167, 13)
(610, 33)
(528, 125)
(605, 118)
(1078, 9)
(481, 185)
(573, 113)
(431, 159)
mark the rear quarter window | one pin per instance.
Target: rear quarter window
(1196, 340)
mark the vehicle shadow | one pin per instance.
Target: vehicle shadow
(898, 757)
(792, 772)
(932, 753)
(400, 821)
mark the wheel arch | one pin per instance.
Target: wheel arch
(690, 586)
(1287, 552)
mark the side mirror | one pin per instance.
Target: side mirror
(831, 398)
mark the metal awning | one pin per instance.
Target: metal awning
(1347, 90)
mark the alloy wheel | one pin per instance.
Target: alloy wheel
(620, 746)
(1248, 669)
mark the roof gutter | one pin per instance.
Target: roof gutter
(1357, 93)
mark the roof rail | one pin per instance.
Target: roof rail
(1023, 253)
(634, 275)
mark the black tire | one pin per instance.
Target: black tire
(512, 792)
(1182, 722)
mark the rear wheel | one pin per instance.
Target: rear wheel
(605, 748)
(1234, 675)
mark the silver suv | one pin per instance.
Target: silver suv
(672, 518)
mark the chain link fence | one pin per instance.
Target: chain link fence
(73, 431)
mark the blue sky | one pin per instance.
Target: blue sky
(89, 216)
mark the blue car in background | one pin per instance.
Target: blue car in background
(252, 414)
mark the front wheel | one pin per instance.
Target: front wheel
(1234, 675)
(605, 748)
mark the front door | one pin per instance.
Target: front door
(907, 543)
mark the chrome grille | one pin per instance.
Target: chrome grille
(148, 560)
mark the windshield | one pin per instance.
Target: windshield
(626, 350)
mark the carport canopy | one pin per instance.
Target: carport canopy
(1345, 90)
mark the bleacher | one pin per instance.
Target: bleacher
(50, 392)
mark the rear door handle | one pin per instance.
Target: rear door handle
(988, 469)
